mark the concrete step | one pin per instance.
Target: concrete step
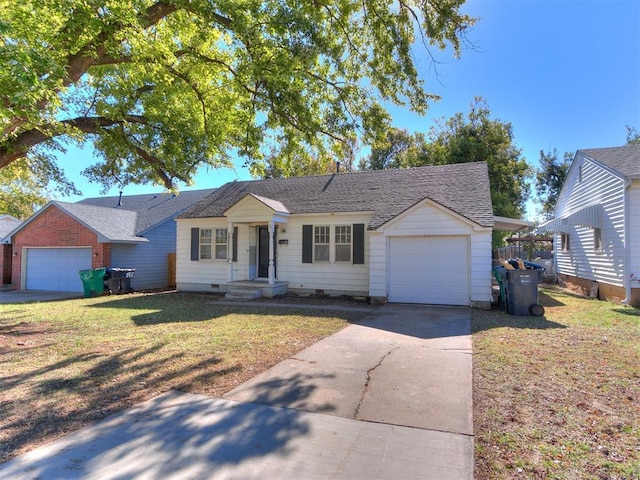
(243, 293)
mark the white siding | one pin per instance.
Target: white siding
(371, 278)
(429, 219)
(633, 217)
(198, 275)
(378, 264)
(588, 184)
(331, 277)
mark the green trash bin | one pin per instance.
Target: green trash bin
(92, 281)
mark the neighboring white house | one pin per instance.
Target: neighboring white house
(420, 235)
(597, 223)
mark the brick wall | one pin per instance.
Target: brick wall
(55, 228)
(5, 263)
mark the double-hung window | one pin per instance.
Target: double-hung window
(205, 244)
(221, 244)
(321, 241)
(342, 243)
(333, 244)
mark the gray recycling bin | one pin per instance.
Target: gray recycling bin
(522, 292)
(118, 280)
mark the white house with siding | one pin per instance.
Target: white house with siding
(420, 235)
(597, 223)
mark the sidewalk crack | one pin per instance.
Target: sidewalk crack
(365, 390)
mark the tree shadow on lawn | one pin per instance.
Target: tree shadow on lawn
(188, 307)
(632, 312)
(177, 435)
(69, 394)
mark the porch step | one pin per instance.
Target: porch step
(243, 293)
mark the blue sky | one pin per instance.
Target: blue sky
(565, 74)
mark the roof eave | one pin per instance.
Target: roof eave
(510, 224)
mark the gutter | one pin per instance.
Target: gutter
(627, 254)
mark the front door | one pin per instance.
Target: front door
(263, 252)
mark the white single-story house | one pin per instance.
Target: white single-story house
(419, 235)
(597, 224)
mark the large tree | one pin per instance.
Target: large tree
(478, 137)
(470, 137)
(162, 87)
(550, 177)
(633, 136)
(27, 185)
(398, 149)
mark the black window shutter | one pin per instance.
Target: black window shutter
(358, 243)
(307, 244)
(234, 252)
(195, 244)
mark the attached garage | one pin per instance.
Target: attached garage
(429, 269)
(55, 268)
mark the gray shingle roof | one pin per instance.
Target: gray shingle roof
(130, 221)
(115, 225)
(462, 188)
(151, 209)
(625, 160)
(8, 225)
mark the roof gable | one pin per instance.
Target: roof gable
(462, 188)
(624, 160)
(128, 222)
(112, 224)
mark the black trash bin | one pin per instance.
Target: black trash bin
(118, 280)
(522, 291)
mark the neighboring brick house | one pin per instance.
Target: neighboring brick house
(138, 231)
(7, 224)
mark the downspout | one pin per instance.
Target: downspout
(627, 249)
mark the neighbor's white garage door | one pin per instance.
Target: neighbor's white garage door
(432, 270)
(56, 268)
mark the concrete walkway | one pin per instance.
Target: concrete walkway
(388, 398)
(24, 296)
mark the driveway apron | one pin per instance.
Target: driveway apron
(387, 398)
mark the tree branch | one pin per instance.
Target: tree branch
(79, 63)
(21, 144)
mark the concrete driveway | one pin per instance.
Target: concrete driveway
(24, 296)
(388, 398)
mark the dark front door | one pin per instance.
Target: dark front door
(263, 252)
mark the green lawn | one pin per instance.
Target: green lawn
(70, 363)
(558, 397)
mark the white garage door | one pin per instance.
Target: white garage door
(432, 270)
(56, 268)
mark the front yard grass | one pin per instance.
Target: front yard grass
(67, 364)
(558, 397)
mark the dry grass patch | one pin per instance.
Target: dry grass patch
(558, 397)
(68, 364)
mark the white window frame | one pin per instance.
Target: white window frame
(565, 242)
(597, 240)
(339, 241)
(321, 246)
(203, 242)
(221, 244)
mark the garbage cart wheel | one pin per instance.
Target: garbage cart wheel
(536, 310)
